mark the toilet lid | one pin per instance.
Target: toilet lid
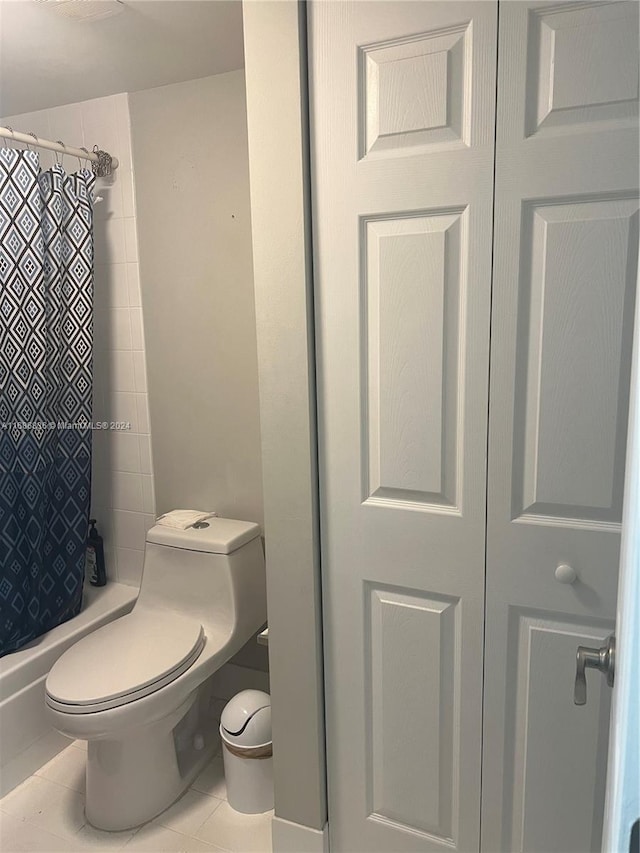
(124, 660)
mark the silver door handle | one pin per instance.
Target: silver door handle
(603, 659)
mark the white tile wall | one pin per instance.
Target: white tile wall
(123, 497)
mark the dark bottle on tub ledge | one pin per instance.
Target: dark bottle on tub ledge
(94, 565)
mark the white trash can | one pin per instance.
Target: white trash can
(245, 729)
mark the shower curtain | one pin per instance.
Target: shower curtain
(46, 342)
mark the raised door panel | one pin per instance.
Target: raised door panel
(413, 724)
(413, 291)
(548, 733)
(582, 66)
(575, 332)
(415, 92)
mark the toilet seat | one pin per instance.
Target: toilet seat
(123, 661)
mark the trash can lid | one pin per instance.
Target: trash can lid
(246, 719)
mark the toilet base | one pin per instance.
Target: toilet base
(132, 779)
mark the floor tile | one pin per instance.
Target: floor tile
(51, 806)
(46, 815)
(97, 839)
(189, 813)
(211, 780)
(67, 768)
(18, 836)
(160, 839)
(27, 799)
(64, 814)
(194, 845)
(155, 839)
(237, 832)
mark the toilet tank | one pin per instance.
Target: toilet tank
(215, 573)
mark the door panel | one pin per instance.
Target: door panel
(582, 67)
(402, 130)
(575, 330)
(414, 727)
(412, 297)
(556, 759)
(565, 272)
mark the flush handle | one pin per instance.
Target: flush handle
(603, 659)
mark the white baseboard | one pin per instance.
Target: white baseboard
(291, 837)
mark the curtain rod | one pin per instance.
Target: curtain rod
(104, 164)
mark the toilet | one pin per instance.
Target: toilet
(139, 689)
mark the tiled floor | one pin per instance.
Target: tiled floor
(46, 814)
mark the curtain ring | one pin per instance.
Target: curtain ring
(4, 138)
(87, 158)
(30, 133)
(59, 154)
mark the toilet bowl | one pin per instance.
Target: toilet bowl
(139, 689)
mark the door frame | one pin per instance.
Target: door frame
(277, 94)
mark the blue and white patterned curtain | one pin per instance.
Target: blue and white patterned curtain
(46, 342)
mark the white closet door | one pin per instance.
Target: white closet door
(565, 268)
(402, 120)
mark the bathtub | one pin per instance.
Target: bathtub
(27, 740)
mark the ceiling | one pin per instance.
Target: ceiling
(47, 59)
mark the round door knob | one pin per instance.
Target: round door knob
(565, 573)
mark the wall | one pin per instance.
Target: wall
(122, 480)
(192, 190)
(275, 60)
